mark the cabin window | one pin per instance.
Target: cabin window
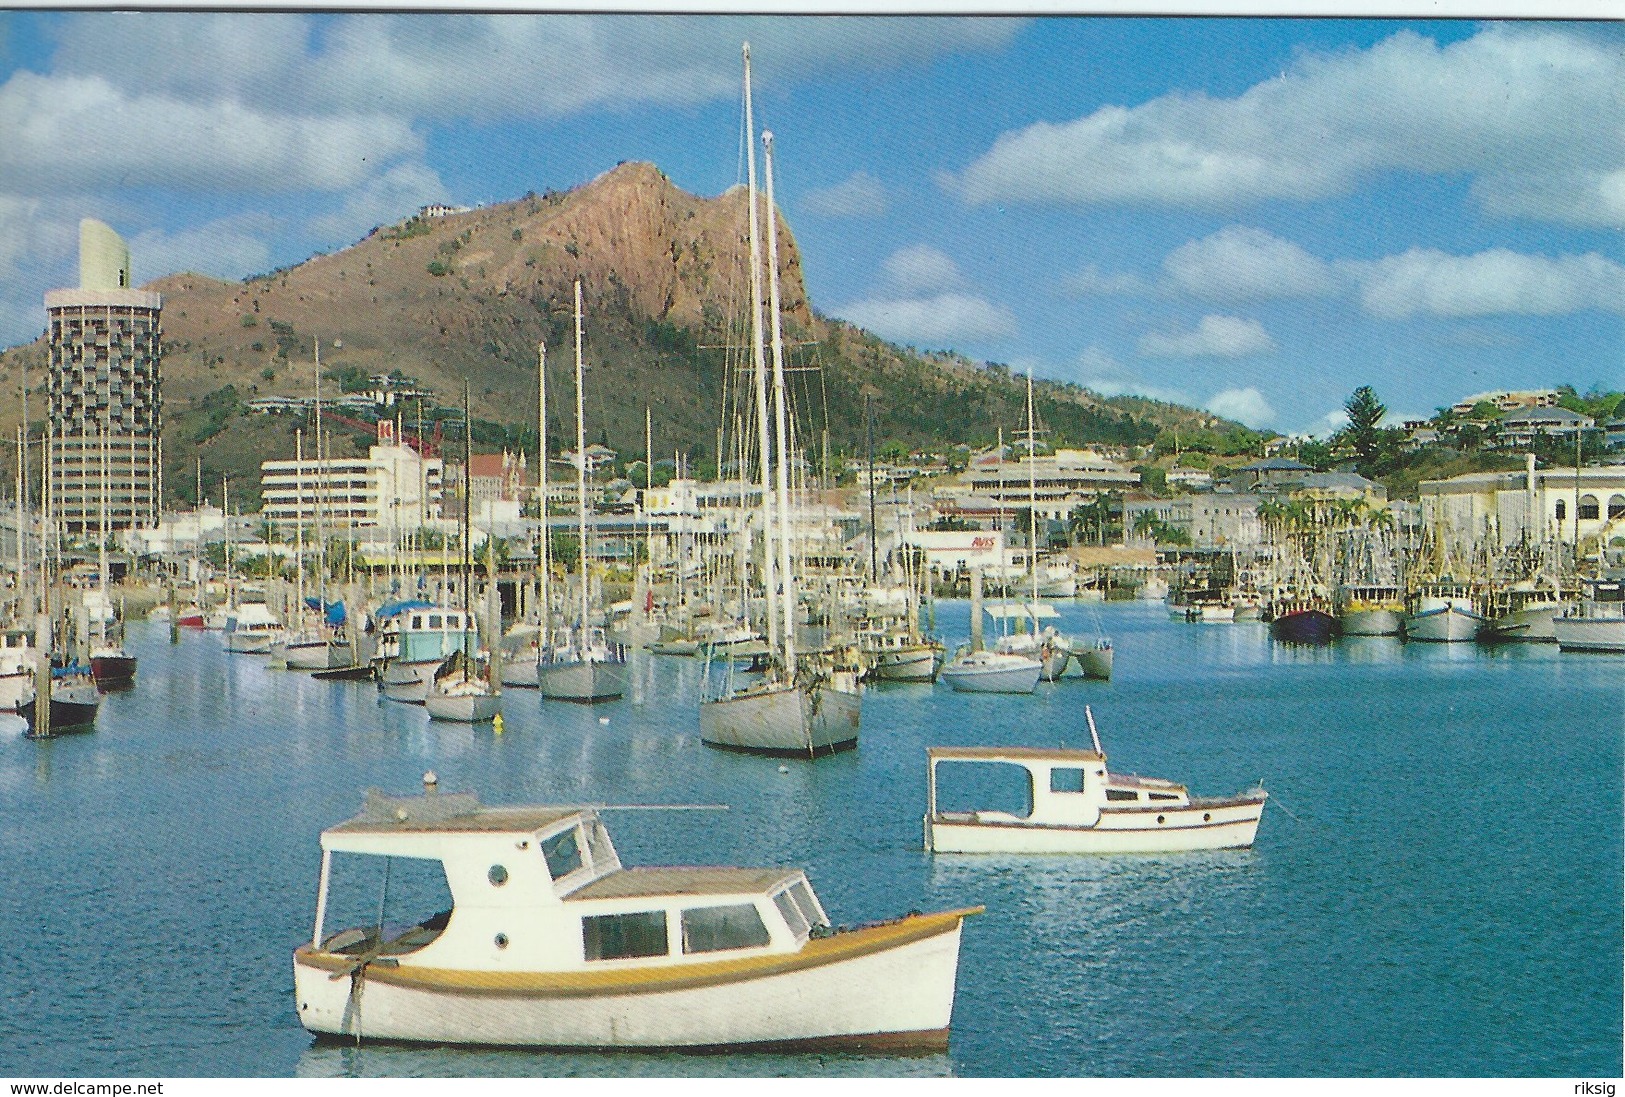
(1163, 796)
(434, 621)
(1066, 780)
(802, 894)
(562, 853)
(792, 914)
(1121, 794)
(624, 936)
(417, 622)
(713, 929)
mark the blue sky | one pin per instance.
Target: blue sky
(1253, 216)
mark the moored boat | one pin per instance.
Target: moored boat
(551, 942)
(75, 700)
(992, 672)
(251, 628)
(1523, 612)
(1076, 805)
(1094, 657)
(1370, 609)
(1301, 622)
(1596, 623)
(16, 668)
(1442, 613)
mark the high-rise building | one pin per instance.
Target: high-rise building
(104, 379)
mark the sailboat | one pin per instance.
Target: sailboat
(586, 668)
(462, 690)
(526, 644)
(316, 645)
(794, 709)
(111, 666)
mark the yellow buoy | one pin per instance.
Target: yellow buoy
(496, 723)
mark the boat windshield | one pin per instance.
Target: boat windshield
(403, 902)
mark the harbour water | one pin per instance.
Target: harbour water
(1435, 889)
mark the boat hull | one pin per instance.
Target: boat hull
(474, 708)
(1304, 626)
(407, 683)
(250, 643)
(1533, 624)
(15, 688)
(1002, 679)
(1590, 633)
(1094, 662)
(1371, 622)
(322, 655)
(786, 1001)
(523, 671)
(113, 672)
(1447, 624)
(1204, 824)
(908, 665)
(70, 712)
(586, 683)
(784, 720)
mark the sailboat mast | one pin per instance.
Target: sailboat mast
(468, 507)
(759, 365)
(781, 440)
(544, 553)
(581, 473)
(1032, 497)
(299, 519)
(869, 433)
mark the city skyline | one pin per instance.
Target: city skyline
(1249, 216)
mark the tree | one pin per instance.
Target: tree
(1365, 412)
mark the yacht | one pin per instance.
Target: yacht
(992, 672)
(251, 628)
(551, 942)
(1596, 623)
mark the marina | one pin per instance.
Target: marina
(168, 861)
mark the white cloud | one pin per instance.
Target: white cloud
(937, 321)
(1101, 373)
(859, 195)
(1526, 111)
(921, 269)
(81, 133)
(384, 200)
(1246, 406)
(1247, 264)
(1091, 281)
(232, 247)
(1495, 282)
(1213, 337)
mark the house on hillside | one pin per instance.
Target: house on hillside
(1520, 428)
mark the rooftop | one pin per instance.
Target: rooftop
(631, 883)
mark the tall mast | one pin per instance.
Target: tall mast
(101, 523)
(299, 520)
(581, 476)
(468, 507)
(544, 554)
(319, 488)
(781, 440)
(869, 432)
(759, 363)
(1032, 498)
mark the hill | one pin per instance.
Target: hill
(470, 295)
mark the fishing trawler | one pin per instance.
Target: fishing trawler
(551, 942)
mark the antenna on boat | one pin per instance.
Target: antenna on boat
(1093, 734)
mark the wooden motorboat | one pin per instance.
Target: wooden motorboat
(551, 942)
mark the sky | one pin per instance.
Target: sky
(1252, 216)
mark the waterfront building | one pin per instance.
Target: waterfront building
(1211, 520)
(1054, 484)
(1501, 509)
(392, 488)
(105, 342)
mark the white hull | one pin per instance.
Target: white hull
(838, 1002)
(585, 682)
(1218, 614)
(15, 689)
(1094, 662)
(1059, 588)
(523, 670)
(1015, 678)
(1533, 623)
(1371, 622)
(1590, 633)
(920, 665)
(1221, 824)
(250, 643)
(783, 720)
(407, 682)
(320, 655)
(468, 708)
(1449, 624)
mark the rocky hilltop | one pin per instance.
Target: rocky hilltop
(470, 295)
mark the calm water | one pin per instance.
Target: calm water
(1435, 888)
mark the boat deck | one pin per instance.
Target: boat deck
(630, 883)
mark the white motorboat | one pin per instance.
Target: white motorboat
(551, 942)
(251, 628)
(1076, 805)
(992, 672)
(1594, 624)
(586, 673)
(1442, 613)
(1094, 657)
(17, 668)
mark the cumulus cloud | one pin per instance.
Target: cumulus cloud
(1494, 282)
(1523, 110)
(940, 320)
(859, 195)
(1091, 281)
(232, 247)
(1246, 406)
(1213, 337)
(921, 268)
(1099, 372)
(1247, 264)
(388, 198)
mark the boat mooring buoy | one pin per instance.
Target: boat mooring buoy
(496, 723)
(603, 719)
(784, 769)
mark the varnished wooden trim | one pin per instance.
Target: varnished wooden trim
(648, 979)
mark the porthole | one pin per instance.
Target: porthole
(502, 940)
(1162, 819)
(498, 876)
(1207, 816)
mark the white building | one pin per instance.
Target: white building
(392, 488)
(1054, 484)
(949, 551)
(1505, 508)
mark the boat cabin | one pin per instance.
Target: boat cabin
(425, 634)
(541, 889)
(1065, 788)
